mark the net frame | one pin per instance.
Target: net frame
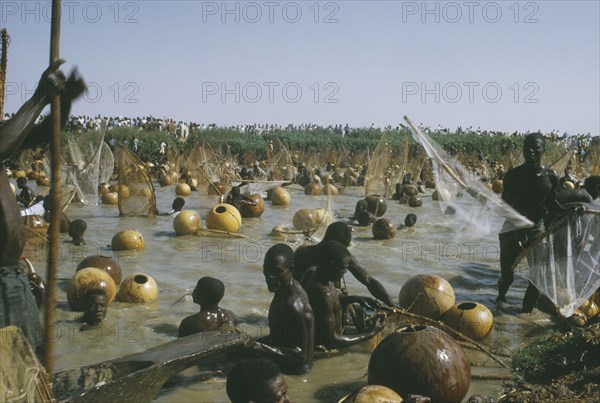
(564, 261)
(132, 173)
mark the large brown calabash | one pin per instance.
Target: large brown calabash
(421, 360)
(103, 263)
(249, 211)
(376, 205)
(427, 295)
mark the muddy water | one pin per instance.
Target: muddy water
(176, 263)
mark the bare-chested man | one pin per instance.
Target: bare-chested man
(26, 196)
(17, 305)
(306, 259)
(327, 300)
(238, 199)
(531, 189)
(208, 293)
(291, 323)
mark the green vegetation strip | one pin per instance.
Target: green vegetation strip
(557, 353)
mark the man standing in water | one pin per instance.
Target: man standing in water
(291, 323)
(306, 259)
(530, 189)
(17, 305)
(208, 293)
(94, 308)
(326, 300)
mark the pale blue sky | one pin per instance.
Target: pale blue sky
(379, 60)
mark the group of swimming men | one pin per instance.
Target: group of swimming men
(308, 303)
(306, 283)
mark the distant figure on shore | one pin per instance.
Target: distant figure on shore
(135, 144)
(256, 380)
(531, 189)
(208, 293)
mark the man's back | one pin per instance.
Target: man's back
(206, 321)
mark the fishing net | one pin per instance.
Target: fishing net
(386, 165)
(136, 193)
(280, 165)
(564, 262)
(87, 158)
(310, 157)
(258, 187)
(475, 209)
(561, 160)
(22, 377)
(585, 161)
(205, 165)
(25, 158)
(107, 164)
(69, 189)
(594, 157)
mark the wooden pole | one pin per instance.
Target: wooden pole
(5, 42)
(56, 198)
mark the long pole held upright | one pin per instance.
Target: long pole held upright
(56, 198)
(3, 57)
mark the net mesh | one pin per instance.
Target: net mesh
(136, 193)
(87, 158)
(564, 262)
(206, 165)
(107, 164)
(280, 165)
(477, 211)
(22, 377)
(386, 165)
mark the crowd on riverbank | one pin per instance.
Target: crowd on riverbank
(181, 129)
(152, 137)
